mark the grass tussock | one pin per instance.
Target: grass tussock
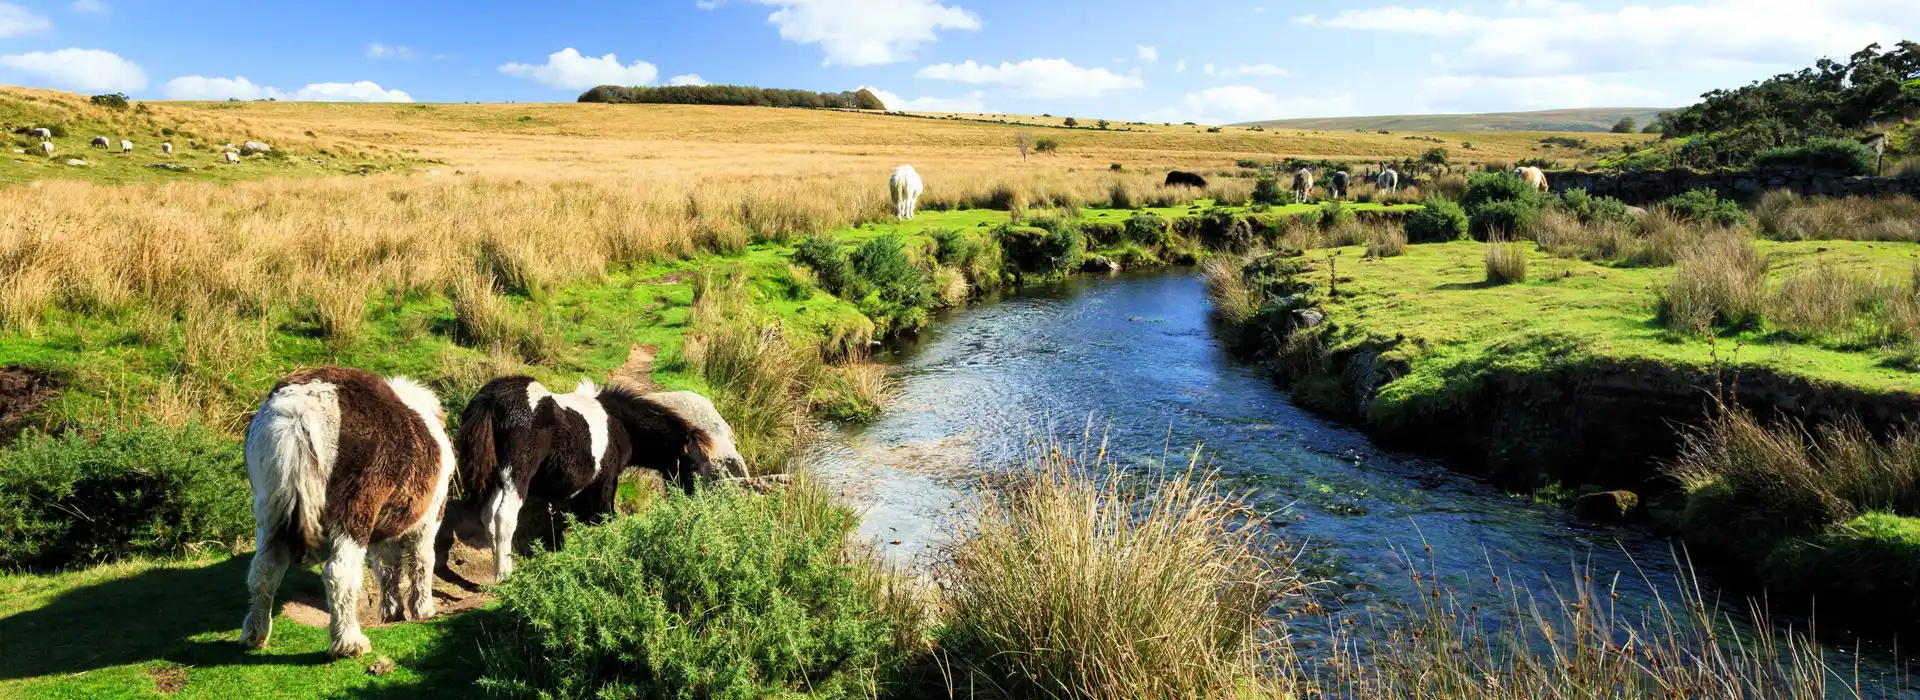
(1506, 261)
(1803, 478)
(1786, 216)
(1386, 241)
(1719, 280)
(1080, 582)
(1234, 299)
(758, 374)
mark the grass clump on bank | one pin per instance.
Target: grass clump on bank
(727, 594)
(1083, 582)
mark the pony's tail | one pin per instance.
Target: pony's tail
(289, 459)
(474, 449)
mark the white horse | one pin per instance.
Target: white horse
(1534, 176)
(906, 187)
(1387, 180)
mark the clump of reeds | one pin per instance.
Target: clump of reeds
(1718, 281)
(1506, 260)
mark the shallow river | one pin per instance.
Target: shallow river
(1135, 355)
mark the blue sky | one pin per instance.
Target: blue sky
(1226, 61)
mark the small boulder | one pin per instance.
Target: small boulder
(75, 161)
(1607, 506)
(1101, 264)
(1307, 318)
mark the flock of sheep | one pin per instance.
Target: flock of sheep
(229, 153)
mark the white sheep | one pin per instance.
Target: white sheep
(126, 146)
(166, 147)
(232, 157)
(46, 147)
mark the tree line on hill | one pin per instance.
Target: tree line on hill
(1813, 117)
(734, 95)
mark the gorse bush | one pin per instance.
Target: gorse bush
(1514, 218)
(1498, 187)
(1703, 206)
(1334, 215)
(829, 263)
(1051, 248)
(1267, 190)
(1594, 210)
(1835, 155)
(1441, 220)
(951, 246)
(890, 289)
(727, 595)
(73, 499)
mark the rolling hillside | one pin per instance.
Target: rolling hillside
(1598, 119)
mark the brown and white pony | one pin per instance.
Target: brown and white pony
(343, 464)
(1534, 176)
(519, 441)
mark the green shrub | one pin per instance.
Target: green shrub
(1046, 144)
(1842, 156)
(1102, 234)
(1147, 229)
(116, 100)
(1439, 221)
(1514, 217)
(1702, 206)
(1267, 190)
(951, 246)
(725, 595)
(1335, 214)
(1497, 187)
(829, 263)
(1036, 250)
(1595, 210)
(892, 291)
(154, 491)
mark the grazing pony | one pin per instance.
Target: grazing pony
(906, 188)
(1387, 181)
(99, 142)
(518, 441)
(1182, 177)
(1534, 176)
(1302, 184)
(1337, 185)
(698, 410)
(344, 464)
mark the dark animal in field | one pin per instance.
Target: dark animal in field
(1182, 177)
(519, 441)
(1337, 185)
(99, 142)
(1302, 184)
(345, 464)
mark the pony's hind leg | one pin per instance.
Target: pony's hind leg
(343, 576)
(418, 551)
(270, 560)
(389, 567)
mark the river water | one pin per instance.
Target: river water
(1134, 356)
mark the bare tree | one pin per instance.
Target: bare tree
(1025, 141)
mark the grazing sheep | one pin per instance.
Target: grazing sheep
(166, 147)
(906, 188)
(232, 157)
(46, 148)
(1387, 180)
(1337, 185)
(1182, 177)
(43, 133)
(126, 146)
(1302, 184)
(1534, 176)
(349, 466)
(99, 142)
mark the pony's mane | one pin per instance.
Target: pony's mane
(586, 388)
(626, 396)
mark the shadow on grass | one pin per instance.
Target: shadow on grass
(161, 614)
(447, 667)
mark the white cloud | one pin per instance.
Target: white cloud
(362, 91)
(377, 50)
(1467, 94)
(1036, 77)
(974, 102)
(1555, 38)
(1180, 66)
(863, 32)
(1208, 69)
(566, 69)
(80, 70)
(196, 87)
(91, 7)
(688, 79)
(1148, 54)
(19, 21)
(1259, 69)
(1244, 103)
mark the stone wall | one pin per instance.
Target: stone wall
(1744, 185)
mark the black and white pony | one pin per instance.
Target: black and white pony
(519, 441)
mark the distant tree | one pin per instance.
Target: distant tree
(1626, 125)
(1434, 156)
(1023, 140)
(865, 99)
(1071, 122)
(1046, 145)
(115, 100)
(1652, 127)
(1102, 124)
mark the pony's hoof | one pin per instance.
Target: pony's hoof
(254, 636)
(350, 646)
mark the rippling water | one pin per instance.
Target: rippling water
(1135, 355)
